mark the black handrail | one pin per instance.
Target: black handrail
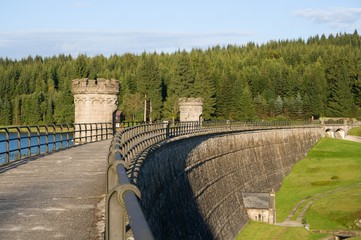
(19, 142)
(128, 145)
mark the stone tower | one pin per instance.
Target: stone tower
(95, 100)
(191, 109)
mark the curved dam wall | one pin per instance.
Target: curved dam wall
(192, 188)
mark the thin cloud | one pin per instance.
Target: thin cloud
(335, 17)
(49, 43)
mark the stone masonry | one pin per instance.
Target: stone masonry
(192, 188)
(95, 100)
(190, 109)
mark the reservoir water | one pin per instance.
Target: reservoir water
(55, 141)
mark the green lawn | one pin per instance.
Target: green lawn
(336, 211)
(330, 164)
(355, 131)
(332, 169)
(262, 231)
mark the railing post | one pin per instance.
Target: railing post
(29, 141)
(54, 136)
(7, 158)
(167, 132)
(115, 217)
(38, 139)
(86, 132)
(61, 136)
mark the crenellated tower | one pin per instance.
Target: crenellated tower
(190, 109)
(95, 100)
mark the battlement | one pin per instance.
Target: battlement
(100, 85)
(190, 101)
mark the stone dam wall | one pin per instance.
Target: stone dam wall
(192, 188)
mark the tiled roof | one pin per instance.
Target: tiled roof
(256, 200)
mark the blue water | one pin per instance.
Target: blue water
(14, 154)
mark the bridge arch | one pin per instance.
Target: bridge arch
(329, 133)
(340, 133)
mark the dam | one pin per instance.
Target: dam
(192, 187)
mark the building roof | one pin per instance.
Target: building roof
(256, 200)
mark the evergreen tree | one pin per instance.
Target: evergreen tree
(320, 77)
(81, 66)
(261, 106)
(316, 89)
(204, 88)
(341, 103)
(49, 112)
(63, 107)
(17, 111)
(5, 112)
(278, 105)
(247, 111)
(298, 107)
(225, 100)
(150, 85)
(182, 84)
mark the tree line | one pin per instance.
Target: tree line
(286, 79)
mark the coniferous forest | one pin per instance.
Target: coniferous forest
(288, 79)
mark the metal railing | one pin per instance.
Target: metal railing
(127, 145)
(18, 142)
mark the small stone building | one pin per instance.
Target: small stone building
(260, 206)
(190, 109)
(95, 101)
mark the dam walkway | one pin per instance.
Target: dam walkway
(55, 196)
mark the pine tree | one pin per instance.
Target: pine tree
(81, 66)
(278, 105)
(261, 106)
(49, 112)
(247, 111)
(182, 84)
(204, 88)
(341, 103)
(17, 111)
(298, 107)
(316, 89)
(5, 112)
(150, 85)
(225, 100)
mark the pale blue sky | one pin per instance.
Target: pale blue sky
(52, 27)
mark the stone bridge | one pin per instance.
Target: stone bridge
(337, 131)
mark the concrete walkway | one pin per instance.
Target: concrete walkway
(58, 196)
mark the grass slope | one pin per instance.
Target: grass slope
(261, 231)
(355, 131)
(329, 165)
(331, 169)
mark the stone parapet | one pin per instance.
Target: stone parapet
(100, 85)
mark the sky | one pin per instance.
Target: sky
(93, 27)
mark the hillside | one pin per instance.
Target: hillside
(296, 79)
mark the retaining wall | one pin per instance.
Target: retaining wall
(192, 188)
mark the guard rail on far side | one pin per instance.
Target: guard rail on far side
(18, 142)
(122, 194)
